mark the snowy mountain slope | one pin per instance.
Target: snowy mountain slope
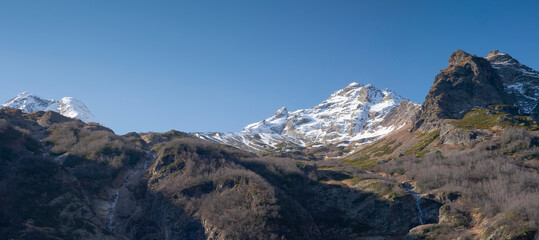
(67, 106)
(355, 113)
(256, 142)
(520, 81)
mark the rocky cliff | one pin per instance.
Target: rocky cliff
(469, 81)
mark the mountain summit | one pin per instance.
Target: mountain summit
(469, 81)
(67, 106)
(354, 113)
(350, 113)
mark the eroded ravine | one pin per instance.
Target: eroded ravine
(135, 173)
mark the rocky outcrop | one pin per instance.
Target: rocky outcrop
(469, 81)
(463, 137)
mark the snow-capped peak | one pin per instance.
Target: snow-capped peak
(273, 124)
(28, 102)
(23, 94)
(354, 84)
(67, 106)
(354, 113)
(347, 114)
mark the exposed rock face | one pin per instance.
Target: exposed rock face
(463, 137)
(469, 81)
(519, 81)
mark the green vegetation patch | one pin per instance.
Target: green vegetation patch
(364, 162)
(370, 154)
(479, 118)
(420, 149)
(386, 149)
(381, 188)
(354, 180)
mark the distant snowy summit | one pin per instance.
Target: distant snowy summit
(67, 106)
(356, 113)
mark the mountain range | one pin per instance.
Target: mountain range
(364, 164)
(363, 113)
(356, 114)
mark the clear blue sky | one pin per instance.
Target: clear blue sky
(220, 65)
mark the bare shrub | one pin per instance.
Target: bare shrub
(211, 183)
(493, 180)
(280, 166)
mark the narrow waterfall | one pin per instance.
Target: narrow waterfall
(409, 188)
(112, 210)
(112, 213)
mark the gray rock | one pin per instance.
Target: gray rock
(468, 82)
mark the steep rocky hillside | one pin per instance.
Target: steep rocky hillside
(474, 147)
(40, 198)
(64, 179)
